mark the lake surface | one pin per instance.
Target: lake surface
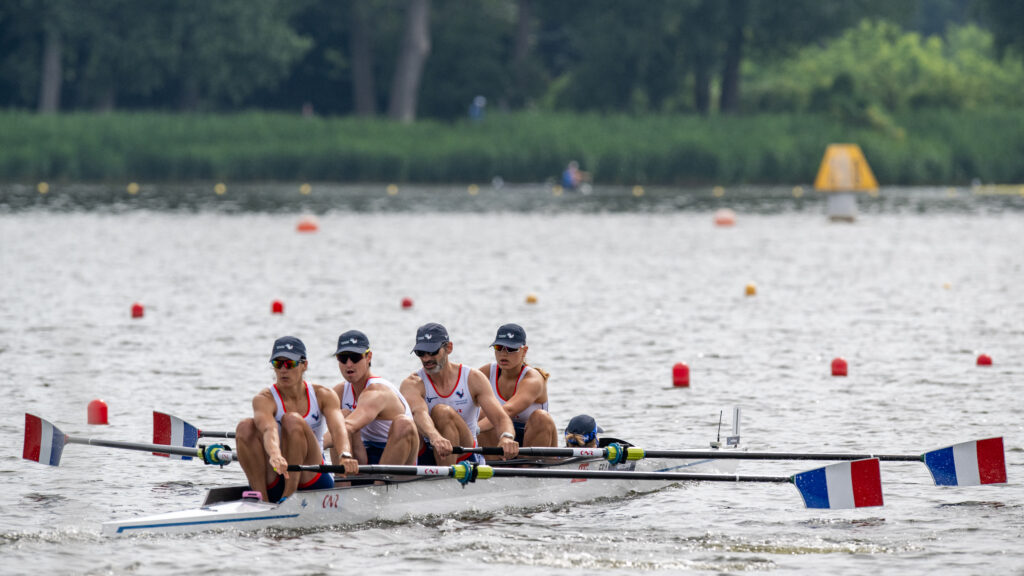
(626, 286)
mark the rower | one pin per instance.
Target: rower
(446, 400)
(287, 427)
(582, 432)
(521, 390)
(377, 417)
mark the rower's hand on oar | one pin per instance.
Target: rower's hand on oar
(280, 465)
(509, 447)
(351, 466)
(442, 446)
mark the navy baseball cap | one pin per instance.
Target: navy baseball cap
(583, 425)
(288, 347)
(511, 335)
(353, 341)
(430, 338)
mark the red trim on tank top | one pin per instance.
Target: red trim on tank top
(454, 388)
(309, 403)
(497, 381)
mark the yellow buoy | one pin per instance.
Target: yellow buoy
(473, 189)
(718, 191)
(220, 189)
(798, 191)
(392, 189)
(305, 189)
(133, 188)
(751, 290)
(556, 190)
(531, 298)
(43, 187)
(638, 191)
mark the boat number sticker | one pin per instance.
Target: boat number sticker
(330, 501)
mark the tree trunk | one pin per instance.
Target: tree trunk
(701, 84)
(49, 89)
(522, 52)
(415, 48)
(364, 91)
(730, 99)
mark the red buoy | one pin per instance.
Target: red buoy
(984, 360)
(406, 302)
(839, 367)
(680, 375)
(137, 310)
(277, 307)
(307, 224)
(98, 412)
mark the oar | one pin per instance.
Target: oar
(174, 431)
(45, 443)
(854, 484)
(966, 464)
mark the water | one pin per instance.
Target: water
(627, 286)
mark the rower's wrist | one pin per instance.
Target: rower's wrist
(346, 454)
(508, 435)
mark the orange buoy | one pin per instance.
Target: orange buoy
(681, 375)
(98, 412)
(984, 360)
(725, 217)
(277, 307)
(307, 224)
(138, 311)
(751, 290)
(531, 298)
(839, 367)
(406, 302)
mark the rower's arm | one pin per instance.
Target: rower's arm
(528, 391)
(371, 403)
(330, 408)
(263, 409)
(412, 390)
(480, 389)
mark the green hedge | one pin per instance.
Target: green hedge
(912, 148)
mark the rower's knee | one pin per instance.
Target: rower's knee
(246, 431)
(442, 413)
(541, 419)
(293, 425)
(403, 427)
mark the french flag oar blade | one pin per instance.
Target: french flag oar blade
(968, 463)
(855, 484)
(44, 442)
(173, 431)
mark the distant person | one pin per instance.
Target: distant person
(377, 417)
(582, 432)
(573, 177)
(521, 390)
(287, 427)
(476, 108)
(446, 400)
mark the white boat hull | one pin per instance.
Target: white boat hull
(409, 498)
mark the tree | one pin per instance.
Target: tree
(409, 69)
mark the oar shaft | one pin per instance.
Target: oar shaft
(216, 434)
(141, 447)
(638, 453)
(488, 471)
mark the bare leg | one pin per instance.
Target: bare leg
(488, 438)
(298, 445)
(251, 455)
(403, 442)
(540, 430)
(453, 427)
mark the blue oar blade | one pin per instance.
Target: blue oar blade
(173, 431)
(44, 442)
(855, 484)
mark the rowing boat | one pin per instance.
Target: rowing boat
(395, 498)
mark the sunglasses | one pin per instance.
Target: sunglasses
(353, 357)
(422, 353)
(500, 348)
(574, 440)
(285, 363)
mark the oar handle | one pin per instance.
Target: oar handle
(485, 450)
(216, 434)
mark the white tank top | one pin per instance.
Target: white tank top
(377, 430)
(459, 399)
(523, 416)
(313, 417)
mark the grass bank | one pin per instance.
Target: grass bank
(918, 148)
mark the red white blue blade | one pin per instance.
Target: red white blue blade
(173, 431)
(968, 463)
(44, 442)
(854, 484)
